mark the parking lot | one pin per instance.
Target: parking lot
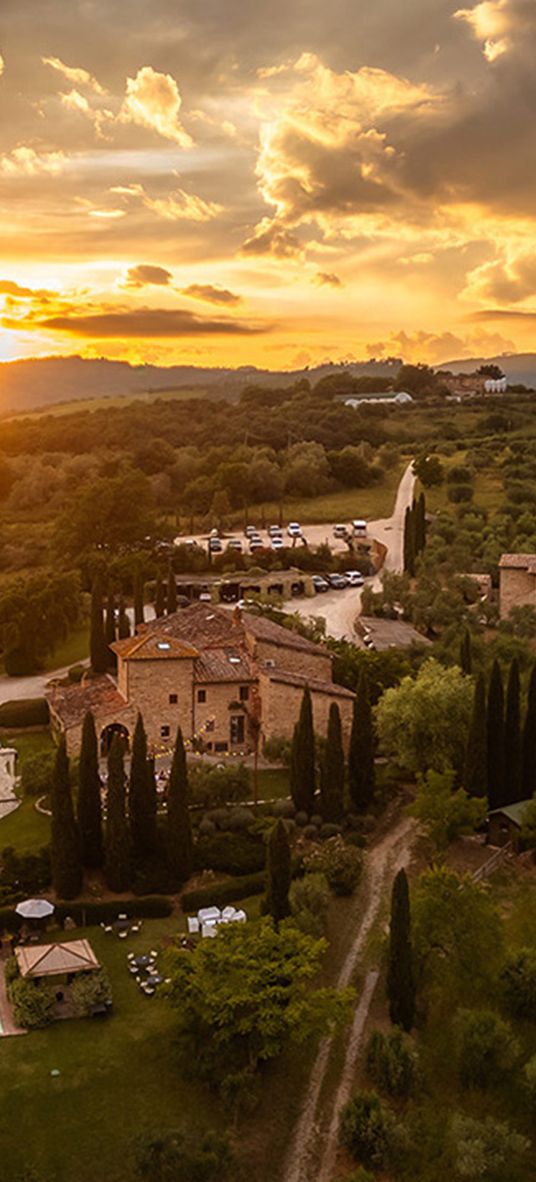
(311, 535)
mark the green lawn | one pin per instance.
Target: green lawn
(274, 783)
(118, 1078)
(370, 503)
(73, 649)
(26, 829)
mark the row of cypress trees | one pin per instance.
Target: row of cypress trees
(105, 627)
(500, 759)
(165, 596)
(130, 836)
(360, 767)
(414, 533)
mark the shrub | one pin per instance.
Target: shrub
(211, 786)
(301, 819)
(460, 492)
(310, 832)
(277, 750)
(11, 970)
(482, 1148)
(283, 808)
(23, 713)
(178, 1157)
(518, 979)
(239, 819)
(229, 853)
(342, 864)
(329, 830)
(459, 474)
(76, 673)
(316, 820)
(36, 774)
(33, 1003)
(309, 899)
(220, 893)
(487, 1049)
(88, 991)
(24, 874)
(391, 1062)
(206, 827)
(365, 1129)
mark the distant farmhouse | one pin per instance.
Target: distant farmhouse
(517, 585)
(210, 671)
(471, 385)
(393, 397)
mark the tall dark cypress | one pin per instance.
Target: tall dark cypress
(475, 775)
(495, 739)
(361, 774)
(171, 592)
(179, 844)
(141, 797)
(400, 971)
(139, 616)
(278, 872)
(420, 527)
(117, 844)
(123, 627)
(67, 875)
(98, 648)
(528, 775)
(89, 796)
(466, 653)
(159, 597)
(302, 763)
(109, 630)
(512, 738)
(409, 541)
(332, 770)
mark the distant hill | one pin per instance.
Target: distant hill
(38, 383)
(520, 368)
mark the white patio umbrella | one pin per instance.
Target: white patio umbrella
(34, 908)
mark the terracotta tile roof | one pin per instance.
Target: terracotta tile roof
(153, 646)
(52, 960)
(204, 624)
(71, 702)
(316, 685)
(519, 562)
(224, 664)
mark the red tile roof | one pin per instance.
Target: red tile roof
(316, 685)
(71, 701)
(153, 646)
(519, 562)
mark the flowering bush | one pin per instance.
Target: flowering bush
(341, 864)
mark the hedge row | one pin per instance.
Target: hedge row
(224, 892)
(152, 907)
(26, 712)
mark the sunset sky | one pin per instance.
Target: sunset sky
(273, 182)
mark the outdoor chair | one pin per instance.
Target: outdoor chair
(153, 953)
(122, 935)
(108, 927)
(148, 990)
(130, 956)
(135, 927)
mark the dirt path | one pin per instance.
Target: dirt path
(310, 1140)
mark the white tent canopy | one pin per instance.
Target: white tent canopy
(34, 908)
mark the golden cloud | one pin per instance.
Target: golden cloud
(210, 294)
(25, 161)
(153, 100)
(138, 322)
(74, 74)
(144, 274)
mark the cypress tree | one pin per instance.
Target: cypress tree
(400, 972)
(98, 648)
(495, 739)
(332, 770)
(278, 873)
(139, 617)
(159, 598)
(512, 738)
(466, 654)
(67, 874)
(123, 629)
(179, 844)
(420, 528)
(361, 775)
(141, 796)
(171, 592)
(528, 775)
(117, 852)
(89, 796)
(475, 776)
(109, 630)
(302, 762)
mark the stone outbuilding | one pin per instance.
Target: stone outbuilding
(517, 586)
(211, 671)
(505, 824)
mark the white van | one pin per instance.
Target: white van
(359, 528)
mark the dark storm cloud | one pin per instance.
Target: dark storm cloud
(140, 322)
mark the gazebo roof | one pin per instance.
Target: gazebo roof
(52, 960)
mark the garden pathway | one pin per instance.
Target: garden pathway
(314, 1145)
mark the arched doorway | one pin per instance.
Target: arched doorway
(107, 735)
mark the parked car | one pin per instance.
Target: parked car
(354, 578)
(214, 546)
(294, 529)
(320, 584)
(205, 597)
(277, 543)
(250, 530)
(359, 527)
(339, 531)
(255, 544)
(275, 531)
(338, 582)
(234, 544)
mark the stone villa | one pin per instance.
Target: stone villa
(207, 670)
(517, 582)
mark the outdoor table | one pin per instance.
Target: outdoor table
(142, 961)
(121, 925)
(155, 979)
